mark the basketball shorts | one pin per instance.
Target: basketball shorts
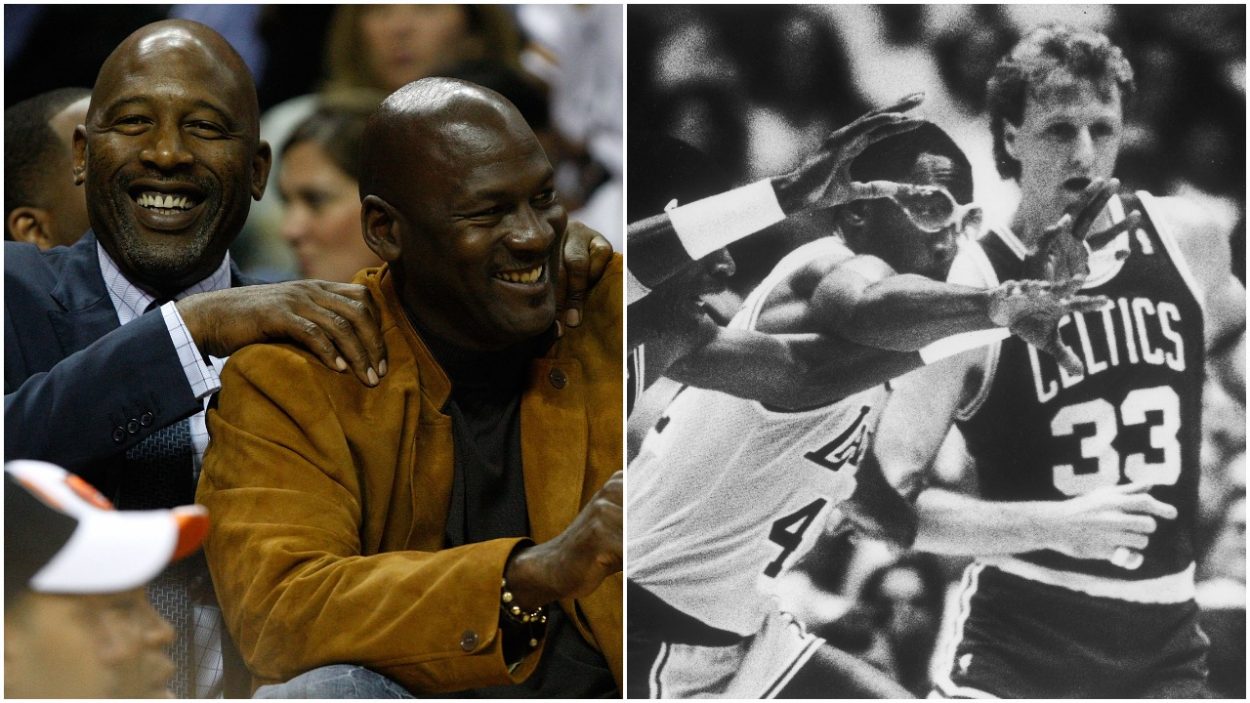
(1018, 638)
(706, 662)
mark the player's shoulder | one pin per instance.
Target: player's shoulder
(23, 260)
(1199, 226)
(273, 363)
(972, 267)
(1188, 218)
(804, 266)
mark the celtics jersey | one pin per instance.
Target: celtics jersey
(726, 493)
(1036, 432)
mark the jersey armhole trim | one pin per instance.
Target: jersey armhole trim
(970, 408)
(1164, 228)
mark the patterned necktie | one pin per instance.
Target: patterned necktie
(158, 475)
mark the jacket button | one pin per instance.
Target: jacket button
(146, 419)
(119, 435)
(468, 640)
(557, 378)
(132, 426)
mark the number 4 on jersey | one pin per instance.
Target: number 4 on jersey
(788, 532)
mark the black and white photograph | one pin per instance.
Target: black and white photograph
(936, 358)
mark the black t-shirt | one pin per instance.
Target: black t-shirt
(488, 500)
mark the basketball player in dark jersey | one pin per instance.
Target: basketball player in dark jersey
(1083, 526)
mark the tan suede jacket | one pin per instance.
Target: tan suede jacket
(329, 498)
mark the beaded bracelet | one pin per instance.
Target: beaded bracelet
(514, 612)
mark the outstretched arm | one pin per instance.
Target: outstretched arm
(663, 244)
(792, 371)
(861, 301)
(863, 326)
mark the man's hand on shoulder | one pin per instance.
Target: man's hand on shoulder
(337, 322)
(586, 256)
(575, 562)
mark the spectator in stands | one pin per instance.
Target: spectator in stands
(387, 46)
(170, 159)
(1222, 597)
(319, 180)
(460, 528)
(895, 623)
(905, 599)
(373, 48)
(77, 623)
(320, 189)
(42, 203)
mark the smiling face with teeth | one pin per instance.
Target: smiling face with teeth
(170, 154)
(477, 226)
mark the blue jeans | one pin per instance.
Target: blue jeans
(335, 681)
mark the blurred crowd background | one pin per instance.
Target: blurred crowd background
(755, 87)
(321, 69)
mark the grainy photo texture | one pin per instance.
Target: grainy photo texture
(936, 351)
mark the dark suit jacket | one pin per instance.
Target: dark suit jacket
(80, 389)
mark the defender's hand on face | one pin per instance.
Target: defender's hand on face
(1063, 251)
(335, 321)
(586, 256)
(1112, 523)
(574, 563)
(824, 178)
(1032, 310)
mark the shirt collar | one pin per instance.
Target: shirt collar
(130, 301)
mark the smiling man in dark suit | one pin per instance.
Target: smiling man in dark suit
(170, 157)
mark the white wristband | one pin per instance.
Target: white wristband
(634, 288)
(956, 343)
(719, 220)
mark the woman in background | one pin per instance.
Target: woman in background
(319, 187)
(372, 49)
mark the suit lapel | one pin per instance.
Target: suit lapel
(86, 312)
(554, 445)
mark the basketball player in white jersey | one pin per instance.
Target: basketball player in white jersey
(1084, 520)
(683, 214)
(728, 492)
(681, 254)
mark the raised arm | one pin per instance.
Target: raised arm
(663, 244)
